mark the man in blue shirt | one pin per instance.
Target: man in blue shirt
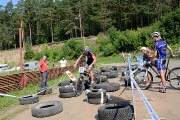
(160, 57)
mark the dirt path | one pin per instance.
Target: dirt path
(166, 105)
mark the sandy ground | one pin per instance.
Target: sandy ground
(166, 105)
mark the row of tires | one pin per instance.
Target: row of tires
(106, 112)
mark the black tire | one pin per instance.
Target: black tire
(95, 94)
(116, 112)
(67, 95)
(64, 83)
(174, 78)
(105, 69)
(47, 109)
(139, 78)
(104, 79)
(112, 75)
(66, 89)
(97, 100)
(104, 82)
(44, 91)
(30, 99)
(105, 73)
(97, 71)
(109, 87)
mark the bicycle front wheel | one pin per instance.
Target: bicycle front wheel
(174, 78)
(141, 78)
(79, 85)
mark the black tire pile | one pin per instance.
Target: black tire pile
(94, 96)
(65, 90)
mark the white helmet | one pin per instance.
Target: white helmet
(155, 34)
(86, 49)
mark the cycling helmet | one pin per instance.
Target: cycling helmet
(155, 34)
(86, 49)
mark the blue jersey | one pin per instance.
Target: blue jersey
(160, 47)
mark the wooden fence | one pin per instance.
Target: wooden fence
(19, 81)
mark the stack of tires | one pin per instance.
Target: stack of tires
(112, 74)
(64, 83)
(67, 91)
(96, 96)
(105, 71)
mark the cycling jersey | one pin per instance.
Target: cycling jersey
(160, 47)
(89, 55)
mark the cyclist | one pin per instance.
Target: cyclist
(91, 59)
(160, 57)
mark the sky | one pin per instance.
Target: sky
(4, 2)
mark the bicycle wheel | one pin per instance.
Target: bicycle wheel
(174, 78)
(79, 85)
(141, 79)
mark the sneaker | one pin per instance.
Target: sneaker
(162, 90)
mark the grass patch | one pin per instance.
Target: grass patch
(14, 113)
(7, 102)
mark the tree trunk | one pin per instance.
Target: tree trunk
(30, 33)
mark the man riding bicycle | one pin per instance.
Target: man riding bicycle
(91, 59)
(160, 57)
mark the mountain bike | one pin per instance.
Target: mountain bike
(83, 81)
(172, 76)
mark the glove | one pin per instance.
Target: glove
(171, 56)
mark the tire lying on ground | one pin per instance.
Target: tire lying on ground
(95, 94)
(44, 91)
(67, 95)
(64, 83)
(47, 109)
(30, 99)
(97, 100)
(103, 79)
(112, 74)
(105, 69)
(104, 73)
(66, 89)
(109, 87)
(116, 112)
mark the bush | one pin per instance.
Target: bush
(72, 49)
(29, 53)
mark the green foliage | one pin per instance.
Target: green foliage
(170, 27)
(29, 53)
(72, 49)
(38, 56)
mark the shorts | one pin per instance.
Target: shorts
(160, 64)
(87, 64)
